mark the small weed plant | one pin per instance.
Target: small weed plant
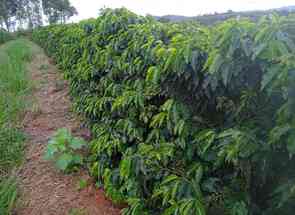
(64, 149)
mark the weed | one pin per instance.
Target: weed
(82, 184)
(76, 211)
(62, 148)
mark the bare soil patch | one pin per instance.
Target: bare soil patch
(45, 190)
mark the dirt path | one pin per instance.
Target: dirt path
(45, 190)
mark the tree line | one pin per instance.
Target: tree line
(33, 13)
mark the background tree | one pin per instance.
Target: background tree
(29, 13)
(33, 12)
(58, 11)
(8, 9)
(20, 13)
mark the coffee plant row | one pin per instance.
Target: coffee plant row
(186, 119)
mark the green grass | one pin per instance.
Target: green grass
(4, 36)
(8, 195)
(15, 86)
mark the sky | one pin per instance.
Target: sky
(90, 8)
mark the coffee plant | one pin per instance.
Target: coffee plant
(186, 119)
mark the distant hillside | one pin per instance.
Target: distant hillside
(288, 8)
(217, 17)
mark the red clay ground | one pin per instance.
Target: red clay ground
(46, 191)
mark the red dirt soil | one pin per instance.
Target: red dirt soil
(45, 190)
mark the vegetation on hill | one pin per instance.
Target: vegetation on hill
(186, 119)
(210, 19)
(14, 86)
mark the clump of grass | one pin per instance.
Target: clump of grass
(14, 88)
(11, 147)
(8, 195)
(14, 81)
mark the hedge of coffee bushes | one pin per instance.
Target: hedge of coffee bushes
(186, 119)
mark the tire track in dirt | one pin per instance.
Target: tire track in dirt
(45, 190)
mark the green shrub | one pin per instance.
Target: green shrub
(62, 148)
(186, 119)
(4, 36)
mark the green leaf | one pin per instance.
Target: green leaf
(169, 179)
(210, 185)
(62, 135)
(200, 208)
(125, 166)
(77, 159)
(175, 189)
(226, 73)
(278, 132)
(239, 208)
(77, 143)
(50, 151)
(291, 143)
(269, 76)
(171, 59)
(153, 75)
(64, 161)
(199, 174)
(186, 206)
